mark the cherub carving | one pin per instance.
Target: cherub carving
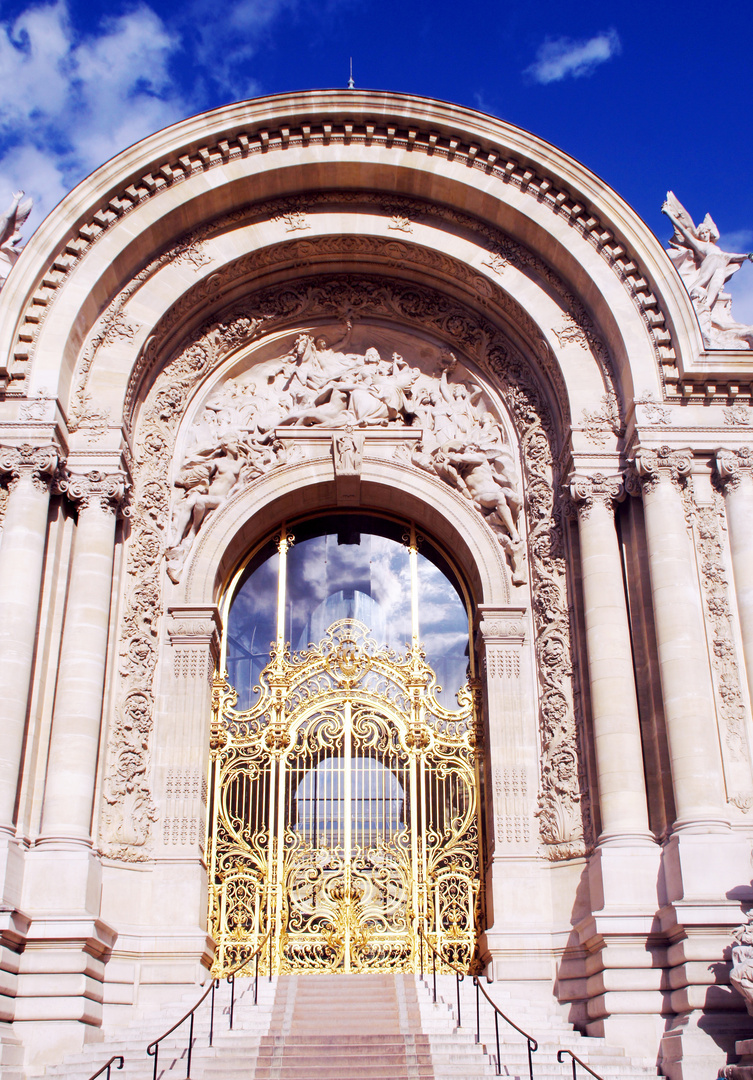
(705, 268)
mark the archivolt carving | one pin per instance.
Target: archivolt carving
(495, 161)
(374, 247)
(563, 806)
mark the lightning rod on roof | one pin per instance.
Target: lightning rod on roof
(351, 84)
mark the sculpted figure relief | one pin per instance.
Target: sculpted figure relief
(705, 268)
(11, 224)
(240, 433)
(741, 973)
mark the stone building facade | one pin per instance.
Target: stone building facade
(359, 303)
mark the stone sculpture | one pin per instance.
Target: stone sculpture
(741, 973)
(11, 224)
(705, 268)
(240, 433)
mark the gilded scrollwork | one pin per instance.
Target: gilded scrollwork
(345, 724)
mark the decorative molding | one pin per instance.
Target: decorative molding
(493, 160)
(737, 416)
(502, 663)
(705, 523)
(394, 251)
(512, 817)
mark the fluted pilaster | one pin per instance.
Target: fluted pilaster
(681, 642)
(30, 470)
(74, 743)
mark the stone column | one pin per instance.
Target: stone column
(21, 561)
(735, 469)
(614, 703)
(681, 643)
(74, 742)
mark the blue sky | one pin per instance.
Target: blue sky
(649, 96)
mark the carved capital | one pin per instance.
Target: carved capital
(732, 465)
(97, 490)
(502, 625)
(37, 463)
(195, 628)
(586, 491)
(654, 466)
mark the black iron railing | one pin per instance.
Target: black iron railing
(575, 1058)
(531, 1043)
(153, 1047)
(108, 1065)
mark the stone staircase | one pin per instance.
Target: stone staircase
(350, 1027)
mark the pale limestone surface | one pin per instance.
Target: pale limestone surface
(616, 671)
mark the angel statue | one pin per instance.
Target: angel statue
(11, 223)
(705, 269)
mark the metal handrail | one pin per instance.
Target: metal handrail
(581, 1063)
(531, 1043)
(153, 1047)
(107, 1066)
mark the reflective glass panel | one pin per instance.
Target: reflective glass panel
(442, 630)
(252, 624)
(344, 573)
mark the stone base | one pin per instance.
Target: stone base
(699, 1045)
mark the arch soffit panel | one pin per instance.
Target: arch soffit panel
(480, 175)
(307, 488)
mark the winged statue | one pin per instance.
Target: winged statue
(705, 268)
(11, 223)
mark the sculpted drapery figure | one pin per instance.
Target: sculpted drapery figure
(241, 432)
(705, 268)
(11, 223)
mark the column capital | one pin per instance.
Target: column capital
(653, 466)
(103, 491)
(39, 463)
(585, 491)
(732, 465)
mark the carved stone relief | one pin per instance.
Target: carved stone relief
(706, 526)
(238, 436)
(512, 819)
(563, 805)
(503, 252)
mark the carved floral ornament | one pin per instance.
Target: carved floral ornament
(732, 465)
(563, 807)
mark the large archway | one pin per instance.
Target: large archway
(346, 303)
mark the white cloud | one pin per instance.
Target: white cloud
(558, 58)
(67, 103)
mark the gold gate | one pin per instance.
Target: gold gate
(344, 812)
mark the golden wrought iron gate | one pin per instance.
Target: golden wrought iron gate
(344, 812)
